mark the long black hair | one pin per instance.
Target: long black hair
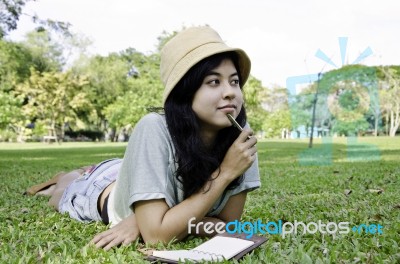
(196, 161)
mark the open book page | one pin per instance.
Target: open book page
(224, 246)
(215, 249)
(182, 255)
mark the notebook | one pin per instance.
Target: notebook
(219, 248)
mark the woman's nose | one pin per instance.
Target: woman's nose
(228, 91)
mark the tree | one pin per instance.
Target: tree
(350, 94)
(122, 85)
(15, 61)
(254, 94)
(9, 15)
(145, 91)
(47, 53)
(275, 98)
(39, 50)
(278, 118)
(390, 98)
(127, 110)
(10, 110)
(301, 105)
(54, 98)
(108, 80)
(11, 10)
(12, 118)
(277, 121)
(164, 38)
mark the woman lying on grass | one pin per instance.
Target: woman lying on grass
(188, 162)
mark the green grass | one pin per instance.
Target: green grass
(295, 187)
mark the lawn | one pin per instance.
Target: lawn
(355, 181)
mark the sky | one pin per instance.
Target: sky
(281, 37)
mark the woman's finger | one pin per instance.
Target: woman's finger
(100, 236)
(105, 241)
(115, 242)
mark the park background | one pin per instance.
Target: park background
(341, 86)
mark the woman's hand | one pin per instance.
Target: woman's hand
(125, 232)
(240, 155)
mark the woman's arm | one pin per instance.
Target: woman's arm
(158, 222)
(127, 230)
(211, 226)
(234, 207)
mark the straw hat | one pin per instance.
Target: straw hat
(188, 48)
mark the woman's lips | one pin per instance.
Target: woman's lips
(227, 106)
(227, 109)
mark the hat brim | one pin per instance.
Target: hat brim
(200, 53)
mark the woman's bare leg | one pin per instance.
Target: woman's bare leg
(62, 184)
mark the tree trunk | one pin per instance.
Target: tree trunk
(394, 120)
(53, 130)
(387, 123)
(376, 125)
(62, 133)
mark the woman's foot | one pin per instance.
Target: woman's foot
(44, 185)
(48, 191)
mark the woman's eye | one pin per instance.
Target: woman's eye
(213, 82)
(235, 82)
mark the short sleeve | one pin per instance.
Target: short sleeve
(145, 170)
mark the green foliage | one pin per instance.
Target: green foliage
(15, 61)
(278, 117)
(11, 10)
(9, 15)
(119, 97)
(31, 231)
(347, 103)
(7, 135)
(55, 98)
(164, 37)
(128, 109)
(301, 109)
(10, 109)
(120, 87)
(390, 97)
(107, 78)
(47, 54)
(254, 93)
(40, 129)
(349, 93)
(275, 122)
(350, 128)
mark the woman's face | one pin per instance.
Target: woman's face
(218, 95)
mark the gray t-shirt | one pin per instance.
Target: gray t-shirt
(148, 171)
